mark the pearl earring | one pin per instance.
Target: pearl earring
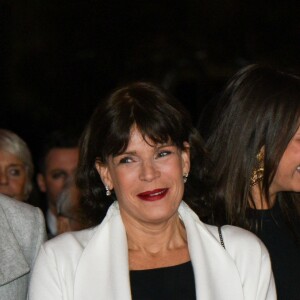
(185, 177)
(108, 192)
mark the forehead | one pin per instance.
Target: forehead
(137, 139)
(62, 157)
(9, 158)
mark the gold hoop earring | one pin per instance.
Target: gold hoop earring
(258, 172)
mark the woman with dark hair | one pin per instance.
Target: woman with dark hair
(137, 155)
(255, 149)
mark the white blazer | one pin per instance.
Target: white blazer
(93, 264)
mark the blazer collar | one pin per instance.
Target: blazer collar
(103, 271)
(13, 263)
(214, 268)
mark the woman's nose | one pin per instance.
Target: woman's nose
(149, 171)
(3, 178)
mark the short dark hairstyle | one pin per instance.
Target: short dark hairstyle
(56, 139)
(260, 107)
(157, 115)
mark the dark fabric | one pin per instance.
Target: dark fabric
(283, 249)
(176, 283)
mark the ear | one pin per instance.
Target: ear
(185, 155)
(104, 173)
(41, 182)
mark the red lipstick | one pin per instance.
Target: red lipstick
(154, 195)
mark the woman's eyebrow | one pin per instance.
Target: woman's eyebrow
(167, 144)
(133, 152)
(16, 165)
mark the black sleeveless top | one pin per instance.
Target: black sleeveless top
(175, 282)
(283, 248)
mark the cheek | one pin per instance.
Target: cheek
(287, 166)
(123, 181)
(281, 172)
(17, 187)
(291, 154)
(173, 171)
(55, 185)
(288, 162)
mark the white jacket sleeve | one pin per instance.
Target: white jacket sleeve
(251, 257)
(45, 279)
(265, 283)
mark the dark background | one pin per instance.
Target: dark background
(58, 58)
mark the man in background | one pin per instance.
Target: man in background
(57, 164)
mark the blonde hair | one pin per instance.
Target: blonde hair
(13, 144)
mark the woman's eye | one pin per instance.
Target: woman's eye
(163, 153)
(58, 175)
(14, 172)
(126, 160)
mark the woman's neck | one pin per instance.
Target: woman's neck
(156, 245)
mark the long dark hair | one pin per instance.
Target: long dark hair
(157, 115)
(260, 107)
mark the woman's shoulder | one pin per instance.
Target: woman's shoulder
(65, 249)
(234, 238)
(233, 233)
(79, 240)
(12, 207)
(21, 217)
(238, 240)
(74, 239)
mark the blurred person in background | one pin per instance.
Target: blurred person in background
(57, 164)
(70, 209)
(22, 232)
(255, 150)
(16, 166)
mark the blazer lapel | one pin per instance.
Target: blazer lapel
(103, 271)
(216, 275)
(13, 263)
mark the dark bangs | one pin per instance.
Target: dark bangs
(155, 113)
